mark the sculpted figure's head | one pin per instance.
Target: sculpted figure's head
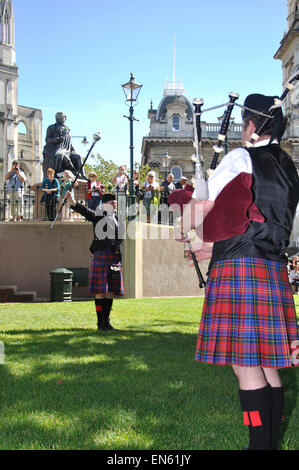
(60, 117)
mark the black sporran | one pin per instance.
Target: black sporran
(114, 273)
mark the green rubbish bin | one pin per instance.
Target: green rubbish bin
(61, 285)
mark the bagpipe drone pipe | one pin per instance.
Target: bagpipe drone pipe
(184, 196)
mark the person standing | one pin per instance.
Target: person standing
(294, 278)
(66, 184)
(167, 186)
(15, 191)
(249, 317)
(148, 189)
(136, 184)
(120, 179)
(94, 192)
(182, 183)
(106, 278)
(51, 190)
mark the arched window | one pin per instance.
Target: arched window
(6, 30)
(175, 122)
(22, 129)
(2, 92)
(177, 173)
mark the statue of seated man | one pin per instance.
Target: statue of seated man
(58, 152)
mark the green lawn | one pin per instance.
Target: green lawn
(66, 386)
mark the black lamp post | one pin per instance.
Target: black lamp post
(165, 161)
(131, 90)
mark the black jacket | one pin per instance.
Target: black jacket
(276, 192)
(107, 230)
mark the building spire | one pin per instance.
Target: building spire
(174, 87)
(6, 23)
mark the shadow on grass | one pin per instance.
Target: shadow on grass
(133, 389)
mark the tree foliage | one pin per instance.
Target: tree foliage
(105, 169)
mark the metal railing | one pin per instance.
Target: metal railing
(32, 204)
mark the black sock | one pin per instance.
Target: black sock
(109, 305)
(277, 413)
(107, 309)
(257, 413)
(99, 304)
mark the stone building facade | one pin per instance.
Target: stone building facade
(20, 126)
(288, 53)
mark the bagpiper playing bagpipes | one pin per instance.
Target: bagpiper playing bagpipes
(106, 278)
(249, 318)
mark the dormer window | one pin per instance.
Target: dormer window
(175, 122)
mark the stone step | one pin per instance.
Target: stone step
(6, 292)
(10, 294)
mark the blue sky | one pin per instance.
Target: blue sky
(74, 55)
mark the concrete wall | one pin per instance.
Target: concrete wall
(154, 264)
(152, 267)
(29, 251)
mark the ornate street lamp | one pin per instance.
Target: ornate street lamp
(165, 161)
(131, 90)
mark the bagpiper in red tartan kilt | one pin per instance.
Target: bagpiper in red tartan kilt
(249, 318)
(106, 279)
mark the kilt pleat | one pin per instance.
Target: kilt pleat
(249, 316)
(98, 280)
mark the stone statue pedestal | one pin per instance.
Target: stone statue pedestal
(39, 208)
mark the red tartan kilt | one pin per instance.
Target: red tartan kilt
(98, 281)
(249, 317)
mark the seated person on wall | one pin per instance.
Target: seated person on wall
(15, 191)
(50, 189)
(106, 272)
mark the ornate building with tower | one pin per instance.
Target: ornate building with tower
(172, 131)
(20, 126)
